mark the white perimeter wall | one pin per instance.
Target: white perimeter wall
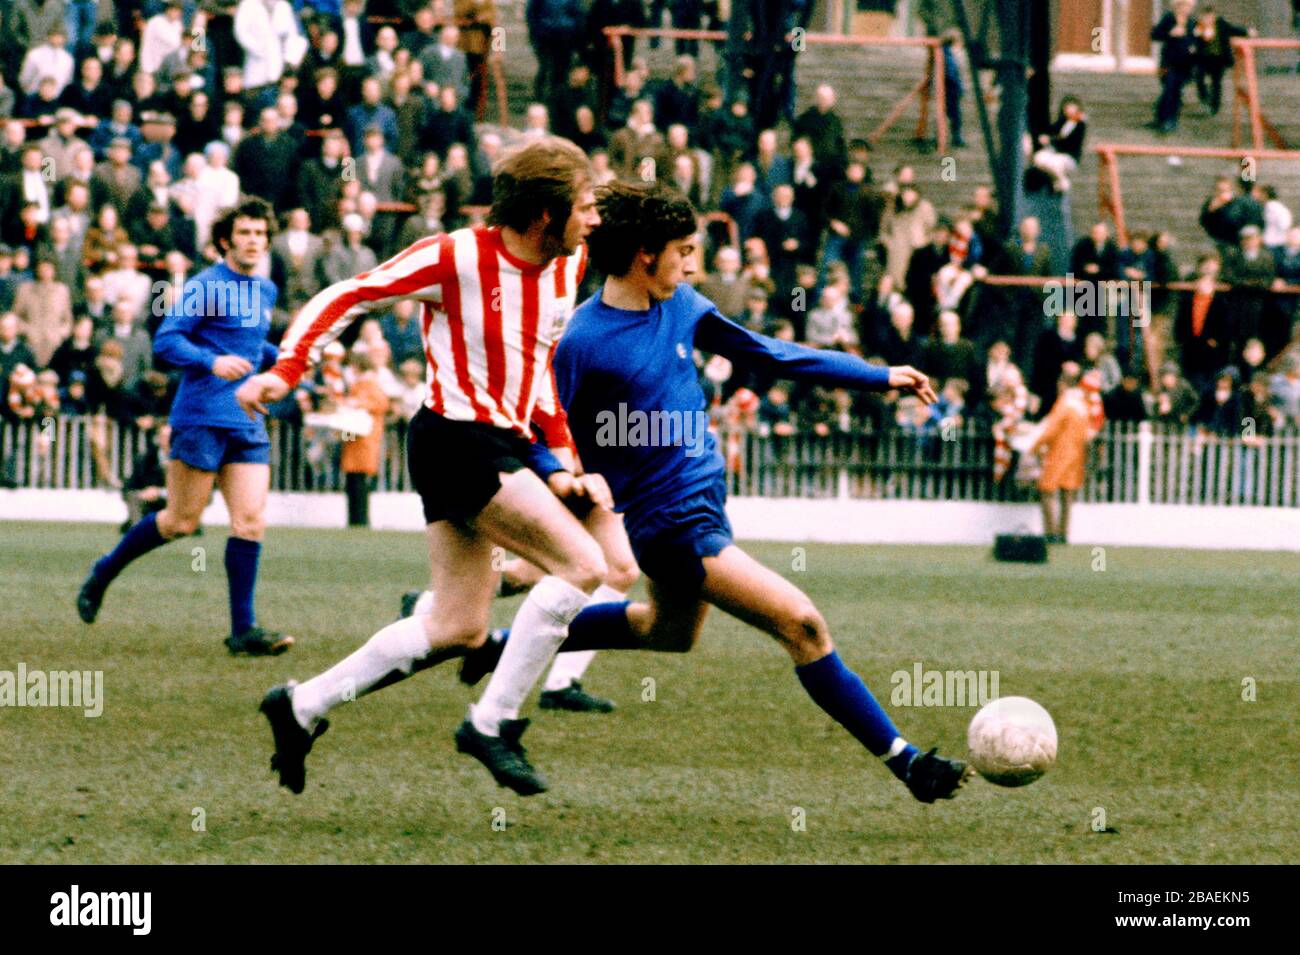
(832, 521)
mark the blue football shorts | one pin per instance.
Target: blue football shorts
(207, 449)
(670, 541)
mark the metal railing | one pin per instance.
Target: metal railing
(1128, 463)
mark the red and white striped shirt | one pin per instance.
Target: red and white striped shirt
(490, 322)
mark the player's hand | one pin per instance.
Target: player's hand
(259, 391)
(594, 487)
(908, 379)
(231, 367)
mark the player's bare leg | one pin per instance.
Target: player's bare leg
(245, 487)
(188, 492)
(462, 583)
(738, 584)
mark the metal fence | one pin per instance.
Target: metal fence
(1134, 464)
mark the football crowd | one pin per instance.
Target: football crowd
(127, 126)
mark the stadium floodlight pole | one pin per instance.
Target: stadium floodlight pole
(1006, 158)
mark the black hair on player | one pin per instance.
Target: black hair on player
(637, 217)
(249, 207)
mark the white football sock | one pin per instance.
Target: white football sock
(424, 605)
(539, 627)
(397, 647)
(569, 667)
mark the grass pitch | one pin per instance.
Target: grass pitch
(1141, 664)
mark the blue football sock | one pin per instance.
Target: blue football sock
(241, 571)
(602, 626)
(841, 693)
(138, 541)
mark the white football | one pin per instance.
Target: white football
(1012, 741)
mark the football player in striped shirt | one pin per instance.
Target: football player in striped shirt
(493, 302)
(627, 355)
(215, 334)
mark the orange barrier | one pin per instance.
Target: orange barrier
(1245, 78)
(1110, 196)
(931, 83)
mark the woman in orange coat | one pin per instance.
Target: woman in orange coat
(1066, 433)
(360, 461)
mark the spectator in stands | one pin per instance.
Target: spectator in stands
(638, 141)
(371, 112)
(1224, 214)
(555, 31)
(125, 283)
(1098, 356)
(1061, 148)
(1124, 404)
(1213, 54)
(49, 59)
(268, 32)
(359, 461)
(1177, 39)
(831, 325)
(14, 351)
(771, 167)
(162, 35)
(265, 161)
(116, 178)
(1277, 217)
(786, 234)
(351, 256)
(446, 125)
(1250, 269)
(76, 353)
(579, 90)
(134, 348)
(1174, 401)
(1095, 255)
(589, 137)
(950, 43)
(853, 211)
(1283, 387)
(1055, 347)
(678, 100)
(94, 304)
(61, 249)
(297, 262)
(947, 354)
(822, 126)
(1219, 411)
(9, 279)
(726, 287)
(922, 268)
(44, 306)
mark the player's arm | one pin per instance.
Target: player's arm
(174, 344)
(555, 456)
(417, 273)
(832, 369)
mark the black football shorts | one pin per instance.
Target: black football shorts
(455, 466)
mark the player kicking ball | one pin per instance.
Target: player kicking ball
(631, 346)
(215, 334)
(493, 303)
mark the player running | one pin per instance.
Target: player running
(628, 352)
(493, 302)
(215, 334)
(563, 689)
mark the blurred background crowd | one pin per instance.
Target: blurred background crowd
(127, 125)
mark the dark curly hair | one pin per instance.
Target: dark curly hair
(637, 217)
(249, 207)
